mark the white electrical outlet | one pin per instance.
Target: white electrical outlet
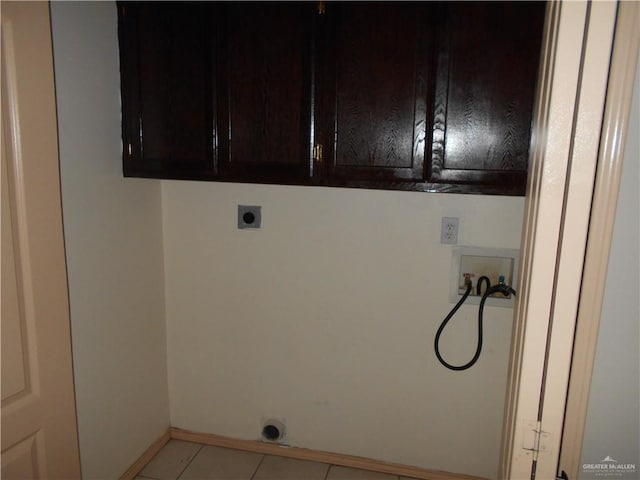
(449, 232)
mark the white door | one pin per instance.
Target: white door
(39, 435)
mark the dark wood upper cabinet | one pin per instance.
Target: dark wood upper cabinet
(426, 96)
(487, 65)
(168, 64)
(374, 95)
(265, 113)
(217, 90)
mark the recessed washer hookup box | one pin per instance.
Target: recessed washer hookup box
(487, 266)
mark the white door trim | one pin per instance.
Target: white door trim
(568, 116)
(613, 140)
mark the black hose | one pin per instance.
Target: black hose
(506, 290)
(479, 284)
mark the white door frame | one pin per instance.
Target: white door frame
(572, 91)
(605, 197)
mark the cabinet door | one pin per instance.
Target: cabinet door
(265, 95)
(375, 93)
(168, 89)
(486, 79)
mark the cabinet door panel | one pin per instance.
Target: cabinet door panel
(168, 84)
(486, 79)
(267, 119)
(379, 59)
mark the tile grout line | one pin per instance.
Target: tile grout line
(326, 475)
(258, 467)
(189, 462)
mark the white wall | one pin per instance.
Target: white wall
(613, 415)
(114, 251)
(326, 318)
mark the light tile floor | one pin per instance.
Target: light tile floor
(192, 461)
